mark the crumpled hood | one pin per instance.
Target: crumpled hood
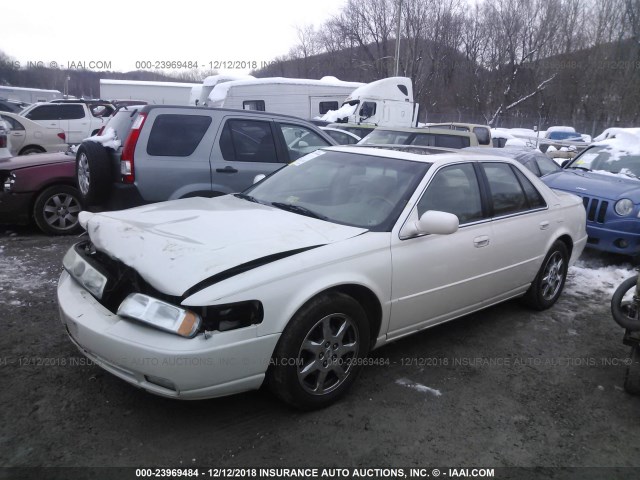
(175, 245)
(594, 184)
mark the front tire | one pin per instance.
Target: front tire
(320, 352)
(56, 210)
(549, 282)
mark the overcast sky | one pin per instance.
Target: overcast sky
(126, 31)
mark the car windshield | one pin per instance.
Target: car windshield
(564, 136)
(354, 189)
(605, 159)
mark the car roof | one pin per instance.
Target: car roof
(424, 130)
(148, 108)
(435, 158)
(369, 126)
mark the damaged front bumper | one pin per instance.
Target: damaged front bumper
(210, 365)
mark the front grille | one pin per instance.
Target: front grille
(596, 209)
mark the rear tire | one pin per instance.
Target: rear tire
(93, 173)
(31, 150)
(56, 210)
(549, 282)
(320, 352)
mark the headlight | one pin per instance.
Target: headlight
(161, 315)
(84, 273)
(9, 181)
(624, 207)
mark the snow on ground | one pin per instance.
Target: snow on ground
(405, 382)
(589, 275)
(24, 273)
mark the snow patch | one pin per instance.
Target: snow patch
(345, 110)
(405, 382)
(108, 139)
(587, 276)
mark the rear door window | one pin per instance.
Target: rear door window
(507, 194)
(71, 112)
(177, 135)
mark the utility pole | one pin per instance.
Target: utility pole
(398, 37)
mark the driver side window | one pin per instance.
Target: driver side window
(454, 189)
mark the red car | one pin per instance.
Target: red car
(40, 188)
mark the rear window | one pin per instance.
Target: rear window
(123, 119)
(177, 135)
(438, 140)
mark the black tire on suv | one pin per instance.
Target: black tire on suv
(93, 172)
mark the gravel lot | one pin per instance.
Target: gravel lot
(503, 387)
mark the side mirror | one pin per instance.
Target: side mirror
(439, 223)
(259, 178)
(431, 222)
(565, 163)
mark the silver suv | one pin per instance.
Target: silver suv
(157, 152)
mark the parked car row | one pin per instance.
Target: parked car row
(155, 153)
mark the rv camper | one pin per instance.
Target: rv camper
(300, 97)
(210, 82)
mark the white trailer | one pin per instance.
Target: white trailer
(154, 93)
(300, 97)
(29, 95)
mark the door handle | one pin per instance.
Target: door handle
(481, 241)
(226, 170)
(544, 225)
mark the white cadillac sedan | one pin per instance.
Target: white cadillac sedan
(295, 280)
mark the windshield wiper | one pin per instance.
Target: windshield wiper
(298, 209)
(580, 168)
(249, 198)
